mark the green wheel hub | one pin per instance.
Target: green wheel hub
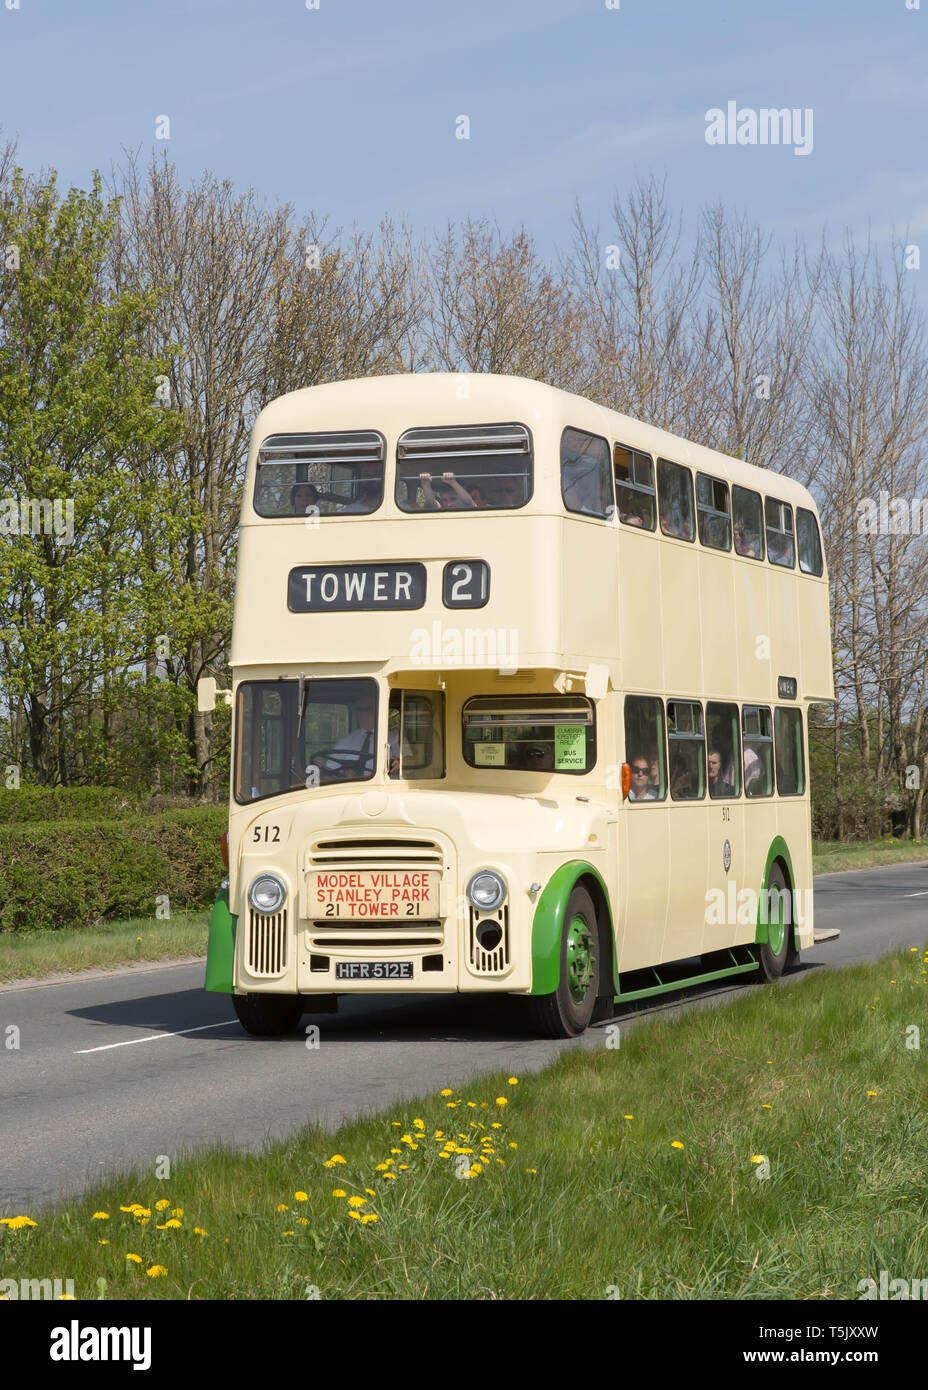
(776, 927)
(579, 959)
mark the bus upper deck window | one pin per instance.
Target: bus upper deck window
(713, 512)
(675, 494)
(810, 546)
(748, 522)
(779, 519)
(634, 487)
(464, 468)
(586, 482)
(318, 475)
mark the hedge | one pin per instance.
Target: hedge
(29, 803)
(75, 873)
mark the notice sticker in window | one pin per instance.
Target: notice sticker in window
(569, 748)
(489, 754)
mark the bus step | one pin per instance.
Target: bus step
(831, 934)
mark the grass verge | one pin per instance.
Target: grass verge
(33, 955)
(831, 856)
(773, 1148)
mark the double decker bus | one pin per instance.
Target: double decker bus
(520, 699)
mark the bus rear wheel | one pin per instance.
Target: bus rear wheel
(268, 1015)
(775, 951)
(567, 1011)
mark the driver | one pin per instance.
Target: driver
(354, 755)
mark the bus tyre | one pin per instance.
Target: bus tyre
(268, 1015)
(774, 952)
(567, 1012)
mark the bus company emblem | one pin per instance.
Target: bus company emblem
(355, 588)
(726, 855)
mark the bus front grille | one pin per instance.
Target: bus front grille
(266, 947)
(362, 854)
(488, 941)
(324, 935)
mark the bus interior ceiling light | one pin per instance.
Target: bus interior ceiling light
(486, 890)
(268, 893)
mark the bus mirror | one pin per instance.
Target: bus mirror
(207, 693)
(596, 682)
(626, 780)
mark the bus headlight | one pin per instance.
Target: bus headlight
(486, 890)
(267, 893)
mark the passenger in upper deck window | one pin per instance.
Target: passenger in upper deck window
(509, 492)
(302, 497)
(367, 498)
(453, 500)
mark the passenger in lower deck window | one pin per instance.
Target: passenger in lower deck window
(641, 789)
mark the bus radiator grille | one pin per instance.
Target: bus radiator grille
(365, 854)
(488, 941)
(267, 945)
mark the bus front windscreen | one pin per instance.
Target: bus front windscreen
(291, 735)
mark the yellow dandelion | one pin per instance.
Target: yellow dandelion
(628, 1117)
(512, 1145)
(513, 1081)
(501, 1101)
(173, 1224)
(758, 1158)
(531, 1170)
(418, 1124)
(675, 1144)
(336, 1158)
(137, 1259)
(356, 1201)
(355, 1214)
(199, 1231)
(67, 1295)
(396, 1151)
(445, 1153)
(381, 1168)
(300, 1197)
(472, 1104)
(288, 1233)
(496, 1125)
(156, 1271)
(368, 1217)
(404, 1167)
(370, 1192)
(160, 1206)
(391, 1176)
(281, 1206)
(766, 1106)
(103, 1242)
(871, 1093)
(447, 1091)
(302, 1221)
(339, 1192)
(439, 1134)
(101, 1216)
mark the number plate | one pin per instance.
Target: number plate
(390, 895)
(373, 970)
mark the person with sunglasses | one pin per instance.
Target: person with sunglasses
(641, 789)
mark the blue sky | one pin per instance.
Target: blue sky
(350, 109)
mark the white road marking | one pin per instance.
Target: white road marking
(923, 894)
(153, 1037)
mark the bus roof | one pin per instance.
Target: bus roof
(392, 404)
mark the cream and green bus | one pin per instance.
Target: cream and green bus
(520, 690)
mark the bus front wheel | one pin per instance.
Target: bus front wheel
(567, 1012)
(775, 951)
(268, 1015)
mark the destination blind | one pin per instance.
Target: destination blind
(355, 588)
